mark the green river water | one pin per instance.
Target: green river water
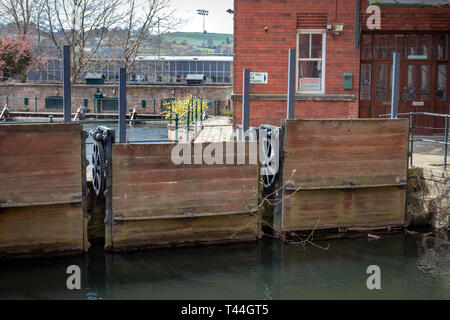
(412, 267)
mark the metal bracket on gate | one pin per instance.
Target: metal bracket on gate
(101, 157)
(270, 153)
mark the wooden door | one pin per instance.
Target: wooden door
(380, 102)
(417, 93)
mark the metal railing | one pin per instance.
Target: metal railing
(51, 119)
(190, 119)
(412, 139)
(94, 104)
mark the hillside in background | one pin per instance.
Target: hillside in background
(192, 43)
(198, 38)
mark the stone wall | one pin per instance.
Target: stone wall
(37, 92)
(428, 198)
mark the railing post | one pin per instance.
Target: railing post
(176, 127)
(154, 106)
(291, 85)
(195, 121)
(245, 101)
(411, 138)
(122, 105)
(395, 85)
(67, 103)
(35, 104)
(446, 143)
(201, 114)
(171, 112)
(188, 118)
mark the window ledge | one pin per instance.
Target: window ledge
(298, 96)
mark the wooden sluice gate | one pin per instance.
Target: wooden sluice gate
(341, 174)
(42, 189)
(332, 174)
(156, 202)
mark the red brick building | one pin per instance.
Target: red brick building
(264, 31)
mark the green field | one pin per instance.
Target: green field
(197, 38)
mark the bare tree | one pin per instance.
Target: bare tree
(81, 24)
(26, 16)
(146, 21)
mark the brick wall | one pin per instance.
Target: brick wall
(135, 93)
(262, 51)
(411, 18)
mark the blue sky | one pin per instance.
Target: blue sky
(218, 20)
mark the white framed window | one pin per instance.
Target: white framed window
(311, 49)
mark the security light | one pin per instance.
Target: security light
(338, 28)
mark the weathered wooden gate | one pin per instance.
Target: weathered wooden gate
(42, 189)
(156, 202)
(342, 174)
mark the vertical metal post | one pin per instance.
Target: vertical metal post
(245, 101)
(66, 85)
(195, 118)
(176, 127)
(201, 113)
(154, 105)
(446, 143)
(188, 120)
(411, 138)
(291, 85)
(395, 85)
(122, 105)
(35, 104)
(196, 111)
(171, 109)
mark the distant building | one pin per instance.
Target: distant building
(150, 69)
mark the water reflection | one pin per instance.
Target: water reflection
(412, 267)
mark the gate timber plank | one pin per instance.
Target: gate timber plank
(343, 173)
(338, 152)
(40, 163)
(158, 203)
(40, 230)
(42, 190)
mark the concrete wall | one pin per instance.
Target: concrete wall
(16, 93)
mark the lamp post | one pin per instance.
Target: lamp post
(203, 13)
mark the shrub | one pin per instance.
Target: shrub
(181, 105)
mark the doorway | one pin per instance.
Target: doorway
(423, 76)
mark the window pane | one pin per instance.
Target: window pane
(441, 89)
(382, 82)
(310, 74)
(385, 45)
(419, 46)
(316, 46)
(200, 67)
(366, 74)
(442, 46)
(303, 45)
(425, 82)
(411, 84)
(366, 47)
